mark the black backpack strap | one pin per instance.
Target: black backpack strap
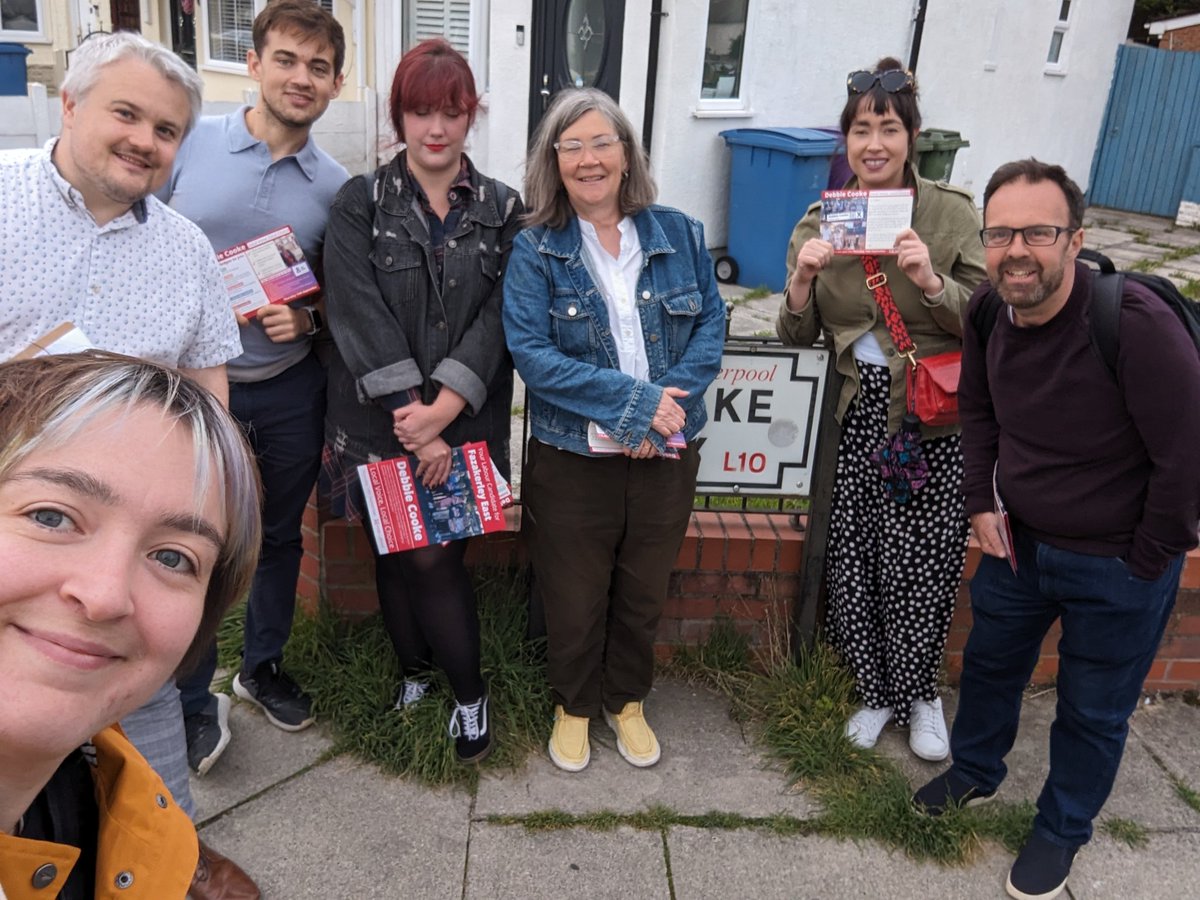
(1105, 313)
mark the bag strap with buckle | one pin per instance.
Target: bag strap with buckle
(877, 284)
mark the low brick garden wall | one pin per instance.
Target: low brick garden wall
(731, 565)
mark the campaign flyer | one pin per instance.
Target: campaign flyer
(64, 338)
(861, 222)
(270, 268)
(406, 514)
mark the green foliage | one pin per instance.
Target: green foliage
(350, 670)
(1127, 832)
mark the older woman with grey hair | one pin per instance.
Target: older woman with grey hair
(614, 322)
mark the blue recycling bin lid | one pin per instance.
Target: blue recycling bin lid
(14, 49)
(797, 141)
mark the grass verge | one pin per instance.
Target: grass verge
(349, 669)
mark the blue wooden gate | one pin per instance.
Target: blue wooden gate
(1149, 146)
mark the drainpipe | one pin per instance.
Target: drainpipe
(656, 17)
(918, 30)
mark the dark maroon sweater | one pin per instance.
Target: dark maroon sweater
(1087, 462)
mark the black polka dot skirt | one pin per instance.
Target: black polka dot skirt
(892, 570)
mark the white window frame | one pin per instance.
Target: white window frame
(203, 36)
(1062, 31)
(477, 32)
(733, 107)
(41, 36)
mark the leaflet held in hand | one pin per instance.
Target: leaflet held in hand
(862, 222)
(270, 268)
(406, 514)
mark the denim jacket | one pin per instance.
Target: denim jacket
(398, 327)
(561, 341)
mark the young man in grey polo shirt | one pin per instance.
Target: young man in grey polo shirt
(237, 177)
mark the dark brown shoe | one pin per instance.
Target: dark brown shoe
(220, 878)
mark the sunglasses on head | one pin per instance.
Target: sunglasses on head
(894, 81)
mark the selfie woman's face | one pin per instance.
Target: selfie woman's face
(106, 552)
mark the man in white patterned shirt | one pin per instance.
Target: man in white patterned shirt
(83, 241)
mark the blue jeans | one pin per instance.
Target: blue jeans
(284, 418)
(1112, 622)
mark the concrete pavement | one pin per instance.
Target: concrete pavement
(309, 826)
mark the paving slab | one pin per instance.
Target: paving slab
(708, 863)
(1142, 793)
(347, 830)
(508, 862)
(1099, 237)
(707, 764)
(1170, 729)
(259, 755)
(1167, 869)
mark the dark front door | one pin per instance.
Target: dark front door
(126, 15)
(575, 43)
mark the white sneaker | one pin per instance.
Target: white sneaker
(864, 726)
(927, 730)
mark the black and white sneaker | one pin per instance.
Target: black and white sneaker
(271, 689)
(469, 728)
(946, 790)
(207, 734)
(1041, 870)
(412, 692)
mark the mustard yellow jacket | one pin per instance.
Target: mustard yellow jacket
(947, 221)
(147, 845)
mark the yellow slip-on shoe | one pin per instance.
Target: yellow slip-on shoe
(635, 741)
(569, 748)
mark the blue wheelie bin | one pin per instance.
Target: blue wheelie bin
(775, 175)
(12, 70)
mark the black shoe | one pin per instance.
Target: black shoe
(1040, 871)
(207, 734)
(948, 789)
(269, 688)
(469, 728)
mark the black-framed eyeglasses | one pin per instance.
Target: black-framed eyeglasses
(1032, 235)
(894, 81)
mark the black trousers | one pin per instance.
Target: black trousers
(604, 534)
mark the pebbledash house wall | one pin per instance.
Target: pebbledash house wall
(743, 567)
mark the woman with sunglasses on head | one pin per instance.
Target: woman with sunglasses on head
(613, 318)
(892, 568)
(129, 522)
(414, 256)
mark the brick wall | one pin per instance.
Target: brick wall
(1181, 39)
(743, 567)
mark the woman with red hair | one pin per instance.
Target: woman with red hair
(413, 259)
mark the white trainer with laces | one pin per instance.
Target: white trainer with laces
(866, 725)
(927, 730)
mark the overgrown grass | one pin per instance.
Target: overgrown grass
(800, 707)
(349, 669)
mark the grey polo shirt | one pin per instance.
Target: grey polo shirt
(145, 284)
(226, 182)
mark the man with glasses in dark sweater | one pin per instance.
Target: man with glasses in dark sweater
(1097, 477)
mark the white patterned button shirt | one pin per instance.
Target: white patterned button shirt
(145, 284)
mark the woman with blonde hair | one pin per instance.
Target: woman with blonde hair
(128, 524)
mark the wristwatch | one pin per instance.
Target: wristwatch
(314, 317)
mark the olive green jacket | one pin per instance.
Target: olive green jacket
(947, 221)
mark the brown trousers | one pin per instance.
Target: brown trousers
(604, 534)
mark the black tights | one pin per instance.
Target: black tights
(428, 606)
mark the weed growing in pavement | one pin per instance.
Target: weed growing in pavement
(1127, 832)
(1146, 265)
(757, 293)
